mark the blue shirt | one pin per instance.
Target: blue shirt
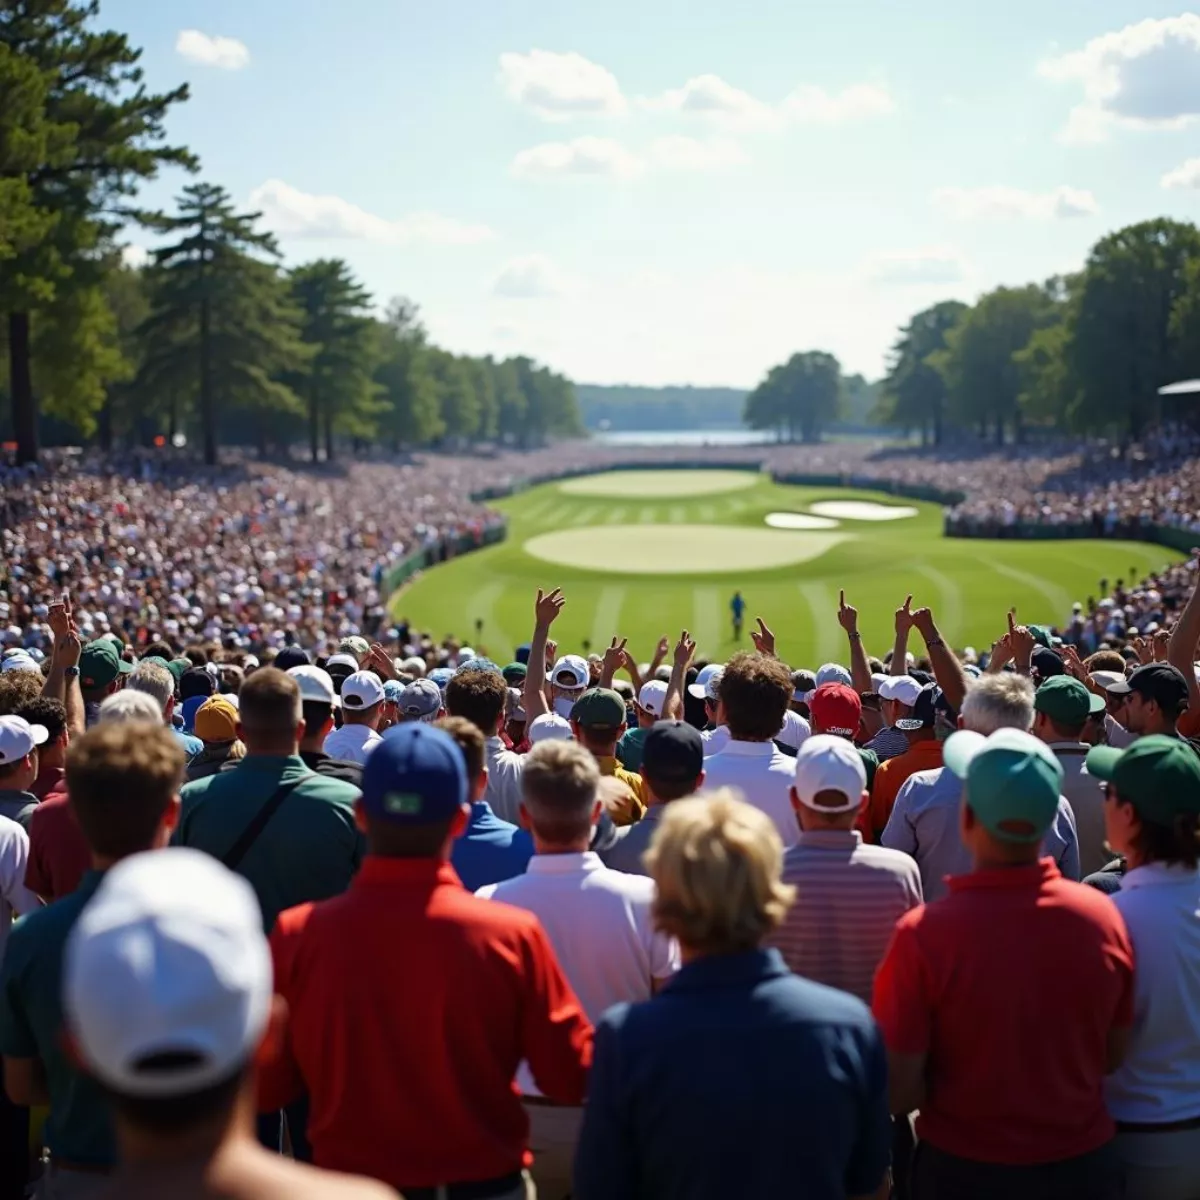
(737, 1079)
(738, 605)
(490, 850)
(191, 745)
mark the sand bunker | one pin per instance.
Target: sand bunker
(653, 485)
(789, 520)
(862, 510)
(678, 549)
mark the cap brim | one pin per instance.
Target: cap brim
(125, 667)
(40, 734)
(697, 691)
(1102, 762)
(1096, 704)
(1119, 689)
(959, 750)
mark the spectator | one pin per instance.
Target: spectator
(924, 820)
(215, 724)
(1152, 815)
(756, 691)
(100, 670)
(51, 715)
(19, 742)
(1042, 965)
(195, 686)
(598, 921)
(123, 780)
(700, 1091)
(167, 992)
(362, 708)
(1157, 697)
(318, 702)
(479, 696)
(707, 687)
(598, 723)
(650, 709)
(159, 684)
(852, 894)
(429, 1110)
(899, 693)
(129, 706)
(287, 830)
(420, 700)
(673, 769)
(1062, 707)
(488, 850)
(837, 711)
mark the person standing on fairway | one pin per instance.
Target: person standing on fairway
(737, 606)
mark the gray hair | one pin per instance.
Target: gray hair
(130, 706)
(155, 681)
(559, 785)
(1003, 701)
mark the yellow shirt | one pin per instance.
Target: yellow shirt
(628, 813)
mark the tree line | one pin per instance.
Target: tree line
(212, 338)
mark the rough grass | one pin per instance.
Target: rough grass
(969, 583)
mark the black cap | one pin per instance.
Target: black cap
(673, 752)
(1166, 685)
(1047, 663)
(196, 682)
(291, 656)
(928, 704)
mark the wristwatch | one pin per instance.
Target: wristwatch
(71, 673)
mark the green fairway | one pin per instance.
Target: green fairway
(630, 573)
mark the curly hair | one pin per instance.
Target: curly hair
(755, 691)
(480, 697)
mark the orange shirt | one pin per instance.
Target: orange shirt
(1189, 723)
(890, 778)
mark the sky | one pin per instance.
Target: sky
(682, 191)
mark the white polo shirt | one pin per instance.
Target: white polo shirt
(598, 921)
(715, 740)
(15, 898)
(763, 774)
(352, 743)
(504, 780)
(1159, 1082)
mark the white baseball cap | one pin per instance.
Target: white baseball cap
(549, 727)
(573, 666)
(833, 673)
(1107, 679)
(795, 730)
(829, 764)
(342, 660)
(316, 685)
(18, 737)
(21, 661)
(903, 688)
(707, 682)
(169, 958)
(361, 690)
(652, 697)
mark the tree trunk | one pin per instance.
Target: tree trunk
(20, 380)
(104, 424)
(329, 437)
(938, 431)
(172, 419)
(999, 430)
(208, 413)
(314, 425)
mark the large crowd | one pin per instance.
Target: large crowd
(296, 902)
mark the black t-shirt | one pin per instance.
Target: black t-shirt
(333, 768)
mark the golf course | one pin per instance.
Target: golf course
(645, 554)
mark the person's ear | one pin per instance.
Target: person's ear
(461, 819)
(360, 816)
(699, 781)
(328, 727)
(241, 731)
(170, 818)
(795, 799)
(621, 730)
(961, 723)
(597, 810)
(523, 817)
(274, 1038)
(866, 800)
(479, 789)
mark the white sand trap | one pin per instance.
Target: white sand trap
(784, 520)
(646, 485)
(862, 510)
(678, 549)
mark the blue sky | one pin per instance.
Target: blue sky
(683, 191)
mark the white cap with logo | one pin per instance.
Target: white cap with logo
(18, 738)
(571, 671)
(361, 690)
(829, 764)
(652, 697)
(903, 688)
(707, 682)
(168, 961)
(316, 686)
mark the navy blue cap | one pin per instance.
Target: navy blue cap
(929, 703)
(416, 776)
(291, 656)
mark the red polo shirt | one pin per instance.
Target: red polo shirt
(58, 852)
(1010, 984)
(411, 1004)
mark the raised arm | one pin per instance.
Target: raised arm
(763, 638)
(860, 668)
(947, 670)
(904, 622)
(1181, 651)
(68, 646)
(1022, 643)
(614, 659)
(673, 701)
(545, 612)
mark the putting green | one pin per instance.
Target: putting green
(678, 549)
(646, 485)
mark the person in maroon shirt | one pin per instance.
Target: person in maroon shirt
(1004, 1004)
(52, 754)
(412, 1002)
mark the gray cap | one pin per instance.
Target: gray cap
(421, 700)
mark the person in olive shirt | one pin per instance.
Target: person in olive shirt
(310, 847)
(123, 780)
(598, 722)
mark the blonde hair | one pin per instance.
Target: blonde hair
(716, 862)
(559, 785)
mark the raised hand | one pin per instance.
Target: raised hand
(763, 638)
(924, 623)
(614, 658)
(547, 606)
(847, 614)
(685, 649)
(661, 650)
(551, 653)
(379, 660)
(1074, 664)
(1020, 639)
(1162, 640)
(1144, 650)
(904, 617)
(59, 617)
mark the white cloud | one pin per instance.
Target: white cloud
(594, 157)
(678, 153)
(559, 86)
(711, 97)
(293, 213)
(1145, 76)
(1186, 175)
(212, 51)
(932, 265)
(135, 256)
(986, 203)
(810, 105)
(531, 277)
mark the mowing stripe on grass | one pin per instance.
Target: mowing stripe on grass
(949, 609)
(707, 512)
(822, 607)
(706, 622)
(615, 517)
(483, 607)
(648, 516)
(677, 514)
(1058, 599)
(606, 619)
(540, 510)
(585, 516)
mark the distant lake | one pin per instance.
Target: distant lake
(683, 437)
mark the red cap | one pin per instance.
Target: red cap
(836, 709)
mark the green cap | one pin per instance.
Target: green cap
(514, 673)
(158, 661)
(177, 667)
(600, 708)
(1042, 635)
(1066, 701)
(358, 646)
(99, 664)
(1013, 781)
(1159, 776)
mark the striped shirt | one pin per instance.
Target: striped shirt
(889, 742)
(849, 897)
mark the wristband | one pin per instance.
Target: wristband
(855, 637)
(71, 672)
(934, 643)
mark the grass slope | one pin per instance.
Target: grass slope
(968, 583)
